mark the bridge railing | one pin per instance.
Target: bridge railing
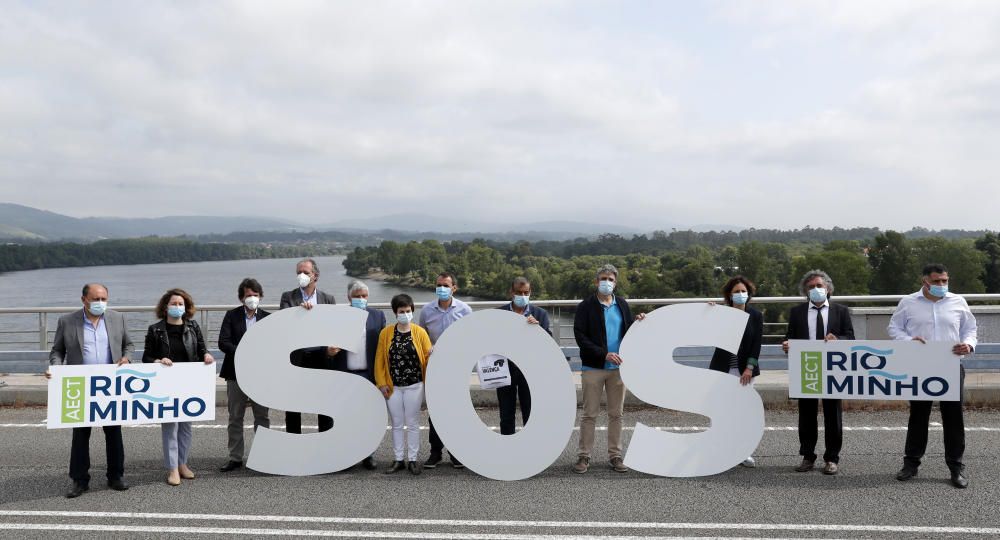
(25, 343)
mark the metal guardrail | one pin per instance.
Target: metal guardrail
(561, 330)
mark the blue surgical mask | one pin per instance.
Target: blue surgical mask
(404, 318)
(521, 300)
(443, 293)
(939, 290)
(98, 307)
(606, 287)
(817, 295)
(175, 312)
(740, 298)
(360, 303)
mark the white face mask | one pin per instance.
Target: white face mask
(251, 302)
(404, 318)
(304, 280)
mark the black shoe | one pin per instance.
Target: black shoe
(117, 484)
(455, 462)
(76, 490)
(368, 463)
(395, 467)
(432, 461)
(906, 473)
(231, 466)
(959, 480)
(415, 468)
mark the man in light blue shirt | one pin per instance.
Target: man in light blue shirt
(934, 314)
(436, 317)
(93, 335)
(96, 346)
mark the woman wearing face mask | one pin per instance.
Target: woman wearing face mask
(737, 293)
(400, 368)
(176, 337)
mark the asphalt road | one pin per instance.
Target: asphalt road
(771, 501)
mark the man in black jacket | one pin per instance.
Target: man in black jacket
(821, 320)
(307, 295)
(236, 323)
(599, 326)
(508, 396)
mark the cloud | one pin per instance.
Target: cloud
(641, 114)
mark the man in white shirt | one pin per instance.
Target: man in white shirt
(934, 314)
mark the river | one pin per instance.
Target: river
(209, 283)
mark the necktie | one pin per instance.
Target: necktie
(820, 334)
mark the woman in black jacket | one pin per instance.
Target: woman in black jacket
(737, 293)
(176, 337)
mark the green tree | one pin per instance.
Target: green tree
(989, 245)
(965, 264)
(892, 262)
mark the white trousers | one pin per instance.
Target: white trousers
(404, 409)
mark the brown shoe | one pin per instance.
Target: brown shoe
(185, 472)
(582, 465)
(806, 465)
(173, 477)
(618, 464)
(830, 468)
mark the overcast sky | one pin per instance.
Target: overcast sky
(765, 114)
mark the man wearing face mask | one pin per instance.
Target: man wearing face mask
(508, 396)
(934, 314)
(600, 323)
(307, 295)
(234, 325)
(436, 317)
(821, 320)
(93, 335)
(362, 363)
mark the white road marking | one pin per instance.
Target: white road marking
(343, 533)
(813, 527)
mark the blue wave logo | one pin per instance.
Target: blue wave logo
(887, 375)
(136, 373)
(148, 397)
(871, 350)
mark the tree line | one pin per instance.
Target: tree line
(668, 266)
(149, 250)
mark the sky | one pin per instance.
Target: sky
(777, 114)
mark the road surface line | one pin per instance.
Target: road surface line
(813, 527)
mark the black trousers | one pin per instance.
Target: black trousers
(437, 445)
(833, 423)
(954, 431)
(507, 397)
(313, 358)
(79, 459)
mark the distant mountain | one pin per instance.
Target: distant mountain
(441, 224)
(19, 222)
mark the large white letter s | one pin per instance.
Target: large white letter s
(265, 374)
(649, 371)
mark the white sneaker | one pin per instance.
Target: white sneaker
(749, 463)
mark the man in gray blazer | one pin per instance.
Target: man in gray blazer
(307, 295)
(93, 335)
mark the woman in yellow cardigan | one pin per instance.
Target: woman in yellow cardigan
(400, 368)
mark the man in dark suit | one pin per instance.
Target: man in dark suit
(307, 295)
(93, 335)
(362, 363)
(235, 324)
(821, 320)
(517, 390)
